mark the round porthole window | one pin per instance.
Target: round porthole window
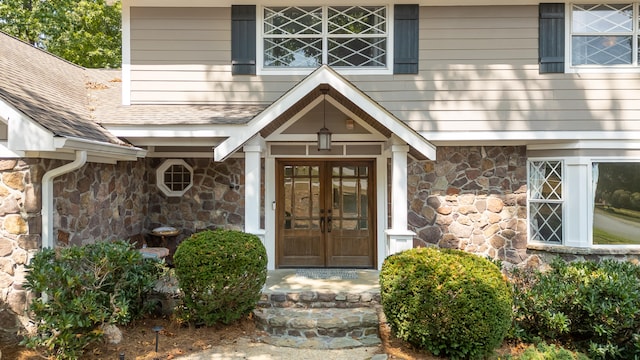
(174, 177)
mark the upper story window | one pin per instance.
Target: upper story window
(604, 35)
(341, 36)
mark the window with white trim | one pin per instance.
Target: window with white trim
(604, 35)
(545, 184)
(341, 36)
(616, 210)
(174, 177)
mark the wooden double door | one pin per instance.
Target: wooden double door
(325, 213)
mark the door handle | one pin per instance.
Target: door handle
(322, 221)
(329, 218)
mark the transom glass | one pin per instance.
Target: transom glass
(340, 36)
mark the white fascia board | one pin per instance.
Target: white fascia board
(6, 153)
(325, 75)
(441, 138)
(24, 134)
(101, 149)
(589, 144)
(175, 131)
(69, 155)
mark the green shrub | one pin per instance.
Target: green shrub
(448, 302)
(85, 287)
(545, 351)
(221, 274)
(594, 307)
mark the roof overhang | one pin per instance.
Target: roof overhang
(25, 136)
(343, 91)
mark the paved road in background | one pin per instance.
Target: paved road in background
(617, 226)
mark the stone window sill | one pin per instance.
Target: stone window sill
(597, 250)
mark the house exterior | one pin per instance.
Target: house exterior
(504, 128)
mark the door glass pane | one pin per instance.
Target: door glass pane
(302, 170)
(288, 208)
(349, 171)
(364, 204)
(288, 171)
(315, 197)
(301, 196)
(349, 199)
(335, 197)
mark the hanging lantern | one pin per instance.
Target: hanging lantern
(324, 135)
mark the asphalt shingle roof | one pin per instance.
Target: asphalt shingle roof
(106, 103)
(49, 90)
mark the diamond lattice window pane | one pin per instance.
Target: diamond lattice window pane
(602, 18)
(602, 50)
(357, 52)
(292, 20)
(292, 52)
(545, 180)
(357, 20)
(546, 222)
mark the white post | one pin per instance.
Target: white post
(399, 238)
(252, 174)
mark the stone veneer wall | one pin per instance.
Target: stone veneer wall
(20, 226)
(215, 199)
(101, 202)
(473, 199)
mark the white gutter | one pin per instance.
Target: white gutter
(47, 195)
(115, 151)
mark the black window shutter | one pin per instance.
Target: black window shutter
(405, 39)
(551, 38)
(243, 39)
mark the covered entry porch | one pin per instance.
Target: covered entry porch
(342, 207)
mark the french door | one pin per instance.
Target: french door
(325, 213)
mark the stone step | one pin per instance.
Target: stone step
(319, 328)
(319, 299)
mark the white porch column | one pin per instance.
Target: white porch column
(399, 238)
(252, 171)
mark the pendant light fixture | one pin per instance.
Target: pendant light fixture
(324, 135)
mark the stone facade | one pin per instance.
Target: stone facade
(20, 226)
(473, 199)
(101, 202)
(469, 198)
(216, 198)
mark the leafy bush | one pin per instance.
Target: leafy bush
(448, 302)
(594, 307)
(84, 287)
(545, 351)
(221, 274)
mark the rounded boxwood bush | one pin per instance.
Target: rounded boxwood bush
(448, 302)
(221, 274)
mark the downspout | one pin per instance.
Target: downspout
(47, 195)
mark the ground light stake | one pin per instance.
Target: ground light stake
(157, 330)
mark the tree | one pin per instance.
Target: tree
(85, 32)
